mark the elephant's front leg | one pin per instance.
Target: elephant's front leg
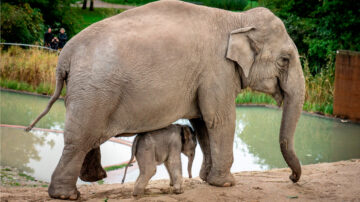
(218, 110)
(203, 139)
(221, 143)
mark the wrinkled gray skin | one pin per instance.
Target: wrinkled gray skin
(149, 66)
(162, 146)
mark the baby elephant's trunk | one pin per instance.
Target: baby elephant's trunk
(191, 159)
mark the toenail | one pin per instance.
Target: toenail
(227, 184)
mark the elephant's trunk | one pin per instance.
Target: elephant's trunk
(294, 93)
(191, 159)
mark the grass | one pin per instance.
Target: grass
(129, 2)
(30, 70)
(87, 17)
(115, 167)
(319, 95)
(248, 96)
(28, 177)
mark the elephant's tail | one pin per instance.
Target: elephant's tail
(133, 153)
(61, 76)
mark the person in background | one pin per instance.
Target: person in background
(48, 36)
(62, 38)
(55, 43)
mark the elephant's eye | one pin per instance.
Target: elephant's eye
(283, 61)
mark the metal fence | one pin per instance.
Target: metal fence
(29, 45)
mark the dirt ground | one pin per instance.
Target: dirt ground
(339, 181)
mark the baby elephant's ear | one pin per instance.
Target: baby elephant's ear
(187, 133)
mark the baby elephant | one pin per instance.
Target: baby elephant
(162, 146)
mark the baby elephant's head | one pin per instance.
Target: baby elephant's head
(188, 145)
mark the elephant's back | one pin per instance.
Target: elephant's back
(151, 20)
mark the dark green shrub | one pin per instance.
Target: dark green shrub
(319, 27)
(20, 23)
(55, 13)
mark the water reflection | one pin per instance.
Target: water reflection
(21, 109)
(316, 139)
(18, 149)
(37, 153)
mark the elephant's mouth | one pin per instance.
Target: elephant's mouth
(279, 94)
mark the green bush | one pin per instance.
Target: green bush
(55, 13)
(319, 27)
(20, 23)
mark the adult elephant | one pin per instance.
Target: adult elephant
(147, 67)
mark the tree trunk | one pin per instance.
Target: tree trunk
(84, 4)
(91, 5)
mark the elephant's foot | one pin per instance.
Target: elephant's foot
(138, 192)
(204, 171)
(93, 174)
(178, 189)
(220, 179)
(63, 193)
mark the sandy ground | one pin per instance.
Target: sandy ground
(339, 181)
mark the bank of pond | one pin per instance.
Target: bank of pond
(256, 147)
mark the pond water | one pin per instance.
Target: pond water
(256, 144)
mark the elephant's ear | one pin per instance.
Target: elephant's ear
(242, 49)
(187, 133)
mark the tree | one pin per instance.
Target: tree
(91, 8)
(84, 4)
(55, 13)
(91, 5)
(319, 27)
(20, 23)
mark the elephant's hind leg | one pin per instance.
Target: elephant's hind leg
(77, 145)
(63, 179)
(91, 170)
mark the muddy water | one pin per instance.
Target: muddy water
(256, 140)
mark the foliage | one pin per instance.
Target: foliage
(31, 70)
(319, 27)
(251, 4)
(20, 23)
(55, 13)
(247, 96)
(319, 94)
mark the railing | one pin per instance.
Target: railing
(29, 45)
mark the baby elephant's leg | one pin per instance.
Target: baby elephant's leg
(147, 166)
(170, 174)
(173, 165)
